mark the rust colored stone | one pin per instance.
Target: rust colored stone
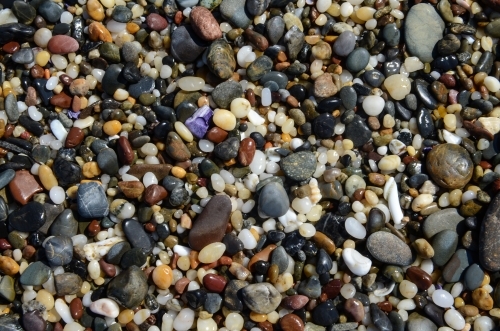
(154, 193)
(246, 152)
(11, 47)
(61, 100)
(292, 322)
(131, 189)
(216, 135)
(74, 138)
(214, 283)
(24, 186)
(294, 302)
(93, 228)
(76, 308)
(107, 268)
(62, 44)
(419, 277)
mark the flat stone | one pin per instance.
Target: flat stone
(186, 46)
(37, 273)
(444, 244)
(262, 298)
(273, 200)
(325, 314)
(445, 219)
(59, 250)
(357, 59)
(28, 218)
(233, 294)
(299, 166)
(489, 242)
(23, 186)
(423, 29)
(108, 161)
(67, 283)
(417, 322)
(92, 201)
(128, 288)
(210, 225)
(389, 249)
(226, 92)
(234, 11)
(450, 166)
(453, 270)
(136, 235)
(345, 43)
(473, 277)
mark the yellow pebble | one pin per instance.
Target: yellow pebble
(286, 137)
(8, 266)
(349, 244)
(258, 317)
(42, 58)
(178, 172)
(125, 316)
(71, 192)
(459, 302)
(163, 276)
(47, 177)
(45, 298)
(112, 127)
(183, 263)
(486, 280)
(255, 234)
(91, 169)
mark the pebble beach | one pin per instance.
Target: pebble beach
(250, 165)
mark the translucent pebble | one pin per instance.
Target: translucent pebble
(34, 114)
(149, 149)
(227, 176)
(457, 289)
(492, 84)
(302, 206)
(483, 323)
(357, 263)
(218, 183)
(454, 319)
(346, 9)
(413, 63)
(442, 298)
(307, 230)
(266, 98)
(258, 164)
(240, 107)
(407, 289)
(348, 291)
(406, 304)
(242, 54)
(59, 61)
(373, 105)
(398, 86)
(57, 195)
(483, 144)
(247, 239)
(63, 311)
(149, 179)
(206, 324)
(354, 228)
(58, 130)
(191, 83)
(51, 83)
(211, 252)
(105, 307)
(234, 322)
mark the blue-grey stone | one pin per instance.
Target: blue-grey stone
(35, 274)
(23, 56)
(357, 60)
(473, 277)
(145, 85)
(108, 161)
(345, 43)
(446, 219)
(10, 104)
(444, 244)
(64, 225)
(51, 11)
(92, 201)
(273, 200)
(59, 250)
(226, 92)
(423, 29)
(6, 176)
(275, 28)
(235, 12)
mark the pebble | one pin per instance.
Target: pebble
(489, 237)
(449, 165)
(128, 288)
(423, 29)
(444, 244)
(388, 248)
(261, 298)
(92, 201)
(291, 168)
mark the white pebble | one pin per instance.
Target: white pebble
(357, 263)
(105, 307)
(247, 239)
(355, 228)
(373, 105)
(442, 298)
(184, 320)
(454, 319)
(57, 195)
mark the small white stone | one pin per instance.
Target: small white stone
(373, 105)
(57, 195)
(58, 130)
(211, 252)
(483, 323)
(247, 239)
(454, 319)
(96, 250)
(63, 311)
(355, 228)
(357, 263)
(184, 320)
(234, 322)
(442, 298)
(105, 307)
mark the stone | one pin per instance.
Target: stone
(227, 149)
(7, 290)
(273, 200)
(186, 46)
(258, 68)
(357, 60)
(389, 249)
(449, 165)
(204, 24)
(473, 277)
(28, 218)
(67, 283)
(379, 318)
(136, 235)
(492, 29)
(445, 219)
(453, 270)
(357, 131)
(210, 225)
(23, 56)
(24, 12)
(37, 273)
(51, 11)
(176, 148)
(489, 242)
(234, 11)
(92, 202)
(226, 92)
(121, 14)
(128, 288)
(233, 294)
(417, 322)
(291, 322)
(23, 186)
(65, 224)
(344, 44)
(450, 44)
(62, 44)
(444, 244)
(299, 166)
(325, 314)
(261, 298)
(324, 86)
(108, 161)
(59, 250)
(423, 29)
(275, 28)
(156, 22)
(419, 277)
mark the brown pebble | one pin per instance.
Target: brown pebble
(482, 299)
(216, 135)
(74, 138)
(156, 22)
(385, 306)
(181, 285)
(373, 123)
(154, 193)
(62, 44)
(332, 288)
(61, 100)
(419, 277)
(204, 23)
(376, 179)
(250, 95)
(258, 40)
(359, 194)
(11, 47)
(28, 252)
(76, 308)
(323, 241)
(214, 283)
(468, 310)
(24, 186)
(265, 326)
(355, 309)
(4, 244)
(294, 302)
(93, 228)
(107, 268)
(246, 152)
(131, 189)
(291, 322)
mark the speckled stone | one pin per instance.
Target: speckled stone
(388, 248)
(299, 166)
(450, 166)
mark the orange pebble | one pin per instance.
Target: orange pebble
(163, 276)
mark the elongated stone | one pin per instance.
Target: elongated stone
(489, 244)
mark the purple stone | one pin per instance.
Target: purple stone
(198, 122)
